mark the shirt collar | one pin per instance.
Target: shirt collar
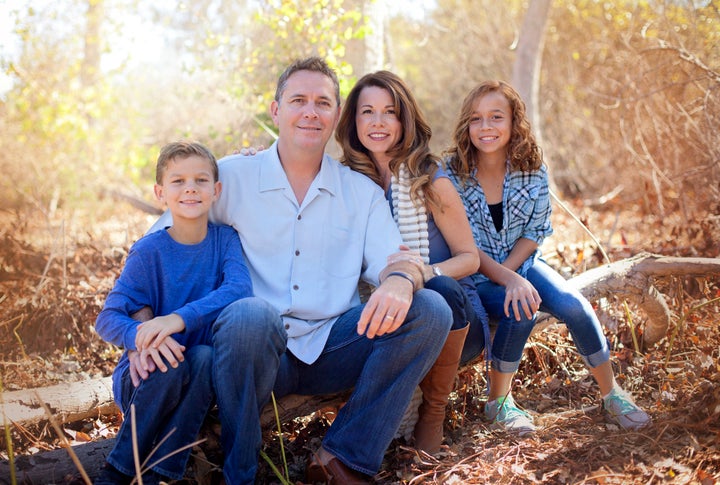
(273, 177)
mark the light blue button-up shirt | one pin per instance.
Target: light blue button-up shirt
(306, 260)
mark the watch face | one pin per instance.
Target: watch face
(436, 271)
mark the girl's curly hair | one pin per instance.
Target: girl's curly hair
(523, 151)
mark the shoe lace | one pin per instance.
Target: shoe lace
(621, 404)
(507, 410)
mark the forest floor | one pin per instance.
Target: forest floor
(54, 278)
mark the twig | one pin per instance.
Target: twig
(63, 441)
(583, 226)
(136, 457)
(8, 438)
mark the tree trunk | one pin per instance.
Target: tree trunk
(629, 279)
(526, 68)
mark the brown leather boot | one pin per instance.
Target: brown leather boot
(436, 388)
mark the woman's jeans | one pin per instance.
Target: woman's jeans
(170, 404)
(558, 299)
(251, 361)
(464, 312)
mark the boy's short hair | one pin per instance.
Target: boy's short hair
(183, 149)
(313, 64)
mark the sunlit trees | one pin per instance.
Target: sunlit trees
(628, 93)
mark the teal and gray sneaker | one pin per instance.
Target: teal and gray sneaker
(622, 410)
(504, 414)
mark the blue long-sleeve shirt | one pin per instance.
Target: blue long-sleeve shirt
(194, 281)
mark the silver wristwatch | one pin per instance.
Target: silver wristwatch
(436, 270)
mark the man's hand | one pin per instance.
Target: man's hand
(520, 293)
(248, 151)
(387, 307)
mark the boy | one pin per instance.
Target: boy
(185, 274)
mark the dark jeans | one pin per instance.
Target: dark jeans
(170, 404)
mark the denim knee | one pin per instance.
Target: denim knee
(454, 296)
(433, 310)
(244, 321)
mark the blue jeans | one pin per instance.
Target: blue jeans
(250, 357)
(559, 300)
(464, 313)
(172, 403)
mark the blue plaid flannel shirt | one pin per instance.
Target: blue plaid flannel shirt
(526, 213)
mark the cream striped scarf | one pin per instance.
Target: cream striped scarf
(411, 218)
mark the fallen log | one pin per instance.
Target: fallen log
(630, 279)
(68, 402)
(56, 466)
(633, 279)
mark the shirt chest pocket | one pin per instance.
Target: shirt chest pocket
(521, 202)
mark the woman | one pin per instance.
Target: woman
(384, 135)
(498, 168)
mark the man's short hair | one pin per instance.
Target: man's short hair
(314, 64)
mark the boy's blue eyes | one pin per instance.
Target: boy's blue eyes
(180, 181)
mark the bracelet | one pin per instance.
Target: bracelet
(402, 275)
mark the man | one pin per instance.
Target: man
(310, 229)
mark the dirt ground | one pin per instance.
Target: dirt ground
(53, 281)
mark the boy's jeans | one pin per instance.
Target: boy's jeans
(558, 299)
(177, 399)
(249, 340)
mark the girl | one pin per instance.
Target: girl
(498, 169)
(384, 135)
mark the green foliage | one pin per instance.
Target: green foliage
(628, 89)
(287, 30)
(65, 140)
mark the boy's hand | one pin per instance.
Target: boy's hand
(143, 363)
(137, 372)
(168, 348)
(153, 332)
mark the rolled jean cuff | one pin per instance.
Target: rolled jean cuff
(504, 366)
(597, 358)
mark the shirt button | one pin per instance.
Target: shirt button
(287, 326)
(296, 287)
(299, 217)
(297, 253)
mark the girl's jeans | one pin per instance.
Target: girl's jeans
(558, 299)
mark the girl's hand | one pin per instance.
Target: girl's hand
(521, 294)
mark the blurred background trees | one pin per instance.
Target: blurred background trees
(627, 96)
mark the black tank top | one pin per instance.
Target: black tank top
(496, 211)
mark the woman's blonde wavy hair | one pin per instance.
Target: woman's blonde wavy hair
(413, 147)
(523, 151)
